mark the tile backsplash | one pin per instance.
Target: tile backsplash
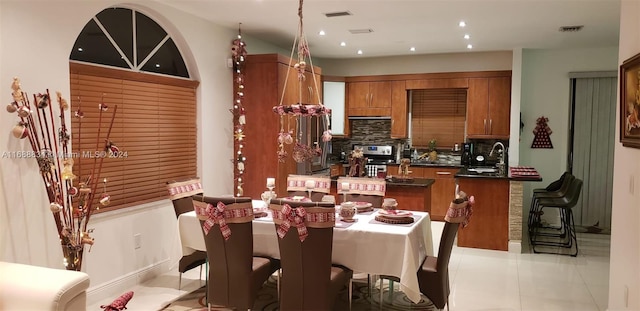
(365, 132)
(378, 132)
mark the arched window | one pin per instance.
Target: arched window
(123, 58)
(128, 39)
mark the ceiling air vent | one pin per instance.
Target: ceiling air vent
(571, 28)
(359, 31)
(336, 14)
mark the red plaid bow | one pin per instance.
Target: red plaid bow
(468, 211)
(295, 215)
(216, 215)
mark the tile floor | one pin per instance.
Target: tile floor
(480, 280)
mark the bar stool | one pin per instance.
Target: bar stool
(556, 189)
(566, 233)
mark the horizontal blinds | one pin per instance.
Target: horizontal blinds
(154, 129)
(438, 114)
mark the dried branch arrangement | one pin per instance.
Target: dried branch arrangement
(49, 138)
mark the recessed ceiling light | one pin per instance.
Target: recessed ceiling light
(157, 65)
(469, 46)
(466, 36)
(462, 24)
(359, 52)
(321, 33)
(343, 43)
(80, 50)
(412, 49)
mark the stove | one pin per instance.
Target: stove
(378, 157)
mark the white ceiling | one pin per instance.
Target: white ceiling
(431, 26)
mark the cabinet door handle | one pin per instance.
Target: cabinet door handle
(371, 103)
(443, 173)
(485, 126)
(490, 126)
(366, 99)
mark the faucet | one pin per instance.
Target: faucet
(501, 164)
(501, 155)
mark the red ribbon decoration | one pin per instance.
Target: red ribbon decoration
(295, 216)
(216, 215)
(468, 211)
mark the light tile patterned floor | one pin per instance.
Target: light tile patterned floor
(480, 280)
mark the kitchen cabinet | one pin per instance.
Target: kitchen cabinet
(372, 99)
(442, 191)
(264, 83)
(489, 225)
(489, 107)
(399, 110)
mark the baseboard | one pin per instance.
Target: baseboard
(515, 246)
(118, 286)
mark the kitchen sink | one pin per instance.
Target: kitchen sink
(483, 170)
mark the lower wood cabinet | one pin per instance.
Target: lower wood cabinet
(442, 191)
(489, 224)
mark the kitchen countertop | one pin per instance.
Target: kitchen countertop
(465, 173)
(415, 182)
(418, 164)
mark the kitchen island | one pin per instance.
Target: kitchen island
(496, 222)
(411, 195)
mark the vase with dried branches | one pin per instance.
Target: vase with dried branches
(49, 137)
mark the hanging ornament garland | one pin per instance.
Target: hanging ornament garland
(302, 151)
(239, 54)
(542, 132)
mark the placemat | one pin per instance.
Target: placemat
(415, 219)
(343, 224)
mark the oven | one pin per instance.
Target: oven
(378, 157)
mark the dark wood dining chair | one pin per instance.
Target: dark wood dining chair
(305, 238)
(433, 275)
(181, 193)
(235, 275)
(296, 186)
(362, 189)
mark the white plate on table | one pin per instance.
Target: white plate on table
(362, 205)
(395, 213)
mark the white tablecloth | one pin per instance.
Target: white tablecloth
(365, 247)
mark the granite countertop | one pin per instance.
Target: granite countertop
(465, 173)
(413, 182)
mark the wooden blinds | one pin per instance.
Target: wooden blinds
(154, 129)
(438, 114)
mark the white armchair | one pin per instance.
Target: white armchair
(25, 287)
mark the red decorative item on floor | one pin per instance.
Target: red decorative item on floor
(120, 303)
(542, 132)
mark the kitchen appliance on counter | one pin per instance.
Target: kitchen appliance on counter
(378, 157)
(465, 158)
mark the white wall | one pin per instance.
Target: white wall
(424, 63)
(624, 274)
(545, 92)
(36, 40)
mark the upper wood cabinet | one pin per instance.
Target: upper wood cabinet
(399, 110)
(371, 99)
(489, 107)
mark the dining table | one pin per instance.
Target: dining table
(364, 245)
